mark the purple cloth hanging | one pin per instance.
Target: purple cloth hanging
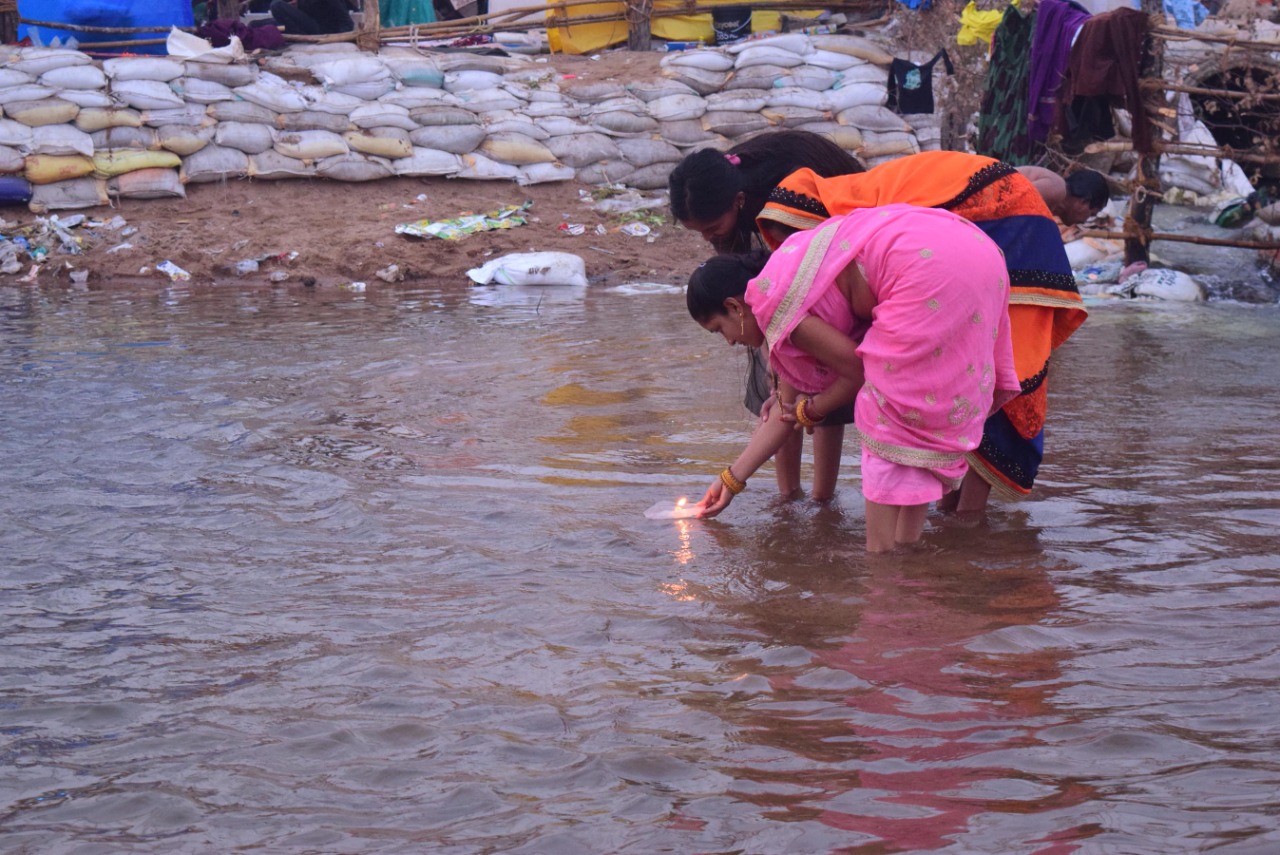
(1057, 22)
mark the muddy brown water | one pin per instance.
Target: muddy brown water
(291, 570)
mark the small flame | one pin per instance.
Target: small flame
(680, 502)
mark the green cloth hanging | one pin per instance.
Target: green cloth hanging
(400, 13)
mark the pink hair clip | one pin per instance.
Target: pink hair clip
(734, 159)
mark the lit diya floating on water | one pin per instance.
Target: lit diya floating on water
(681, 510)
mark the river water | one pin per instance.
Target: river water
(291, 570)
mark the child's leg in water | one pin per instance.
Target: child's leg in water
(893, 525)
(786, 464)
(970, 498)
(828, 442)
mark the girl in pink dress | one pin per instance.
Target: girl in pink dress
(902, 310)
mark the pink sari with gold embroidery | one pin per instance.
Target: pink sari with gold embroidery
(937, 355)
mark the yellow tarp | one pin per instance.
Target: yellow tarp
(588, 38)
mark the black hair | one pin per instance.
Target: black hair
(719, 278)
(1090, 186)
(704, 184)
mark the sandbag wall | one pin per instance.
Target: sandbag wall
(82, 132)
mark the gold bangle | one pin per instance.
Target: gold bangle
(731, 482)
(802, 413)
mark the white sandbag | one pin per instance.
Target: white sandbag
(354, 167)
(321, 101)
(199, 91)
(606, 172)
(514, 124)
(476, 62)
(38, 61)
(310, 145)
(756, 77)
(183, 140)
(487, 100)
(643, 152)
(847, 96)
(651, 177)
(95, 119)
(579, 150)
(391, 143)
(188, 114)
(152, 183)
(471, 81)
(274, 166)
(142, 68)
(688, 132)
(652, 88)
(1086, 251)
(230, 75)
(737, 101)
(371, 91)
(734, 124)
(532, 268)
(480, 168)
(26, 92)
(9, 77)
(516, 149)
(382, 115)
(854, 46)
(87, 98)
(621, 123)
(443, 115)
(50, 111)
(350, 70)
(146, 94)
(676, 108)
(813, 77)
(798, 96)
(456, 139)
(273, 93)
(797, 43)
(15, 135)
(864, 74)
(61, 139)
(871, 117)
(243, 112)
(764, 55)
(248, 137)
(849, 139)
(74, 77)
(700, 81)
(123, 137)
(427, 161)
(550, 109)
(593, 91)
(706, 60)
(792, 117)
(627, 104)
(311, 120)
(416, 71)
(1162, 283)
(11, 160)
(412, 98)
(214, 163)
(559, 126)
(832, 60)
(544, 173)
(68, 195)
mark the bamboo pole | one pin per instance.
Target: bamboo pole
(80, 28)
(1143, 201)
(1175, 148)
(1173, 34)
(1206, 241)
(1163, 86)
(368, 38)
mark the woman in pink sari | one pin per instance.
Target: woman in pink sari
(901, 310)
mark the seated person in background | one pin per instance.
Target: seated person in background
(313, 17)
(1074, 199)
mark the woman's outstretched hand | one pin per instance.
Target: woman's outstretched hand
(716, 499)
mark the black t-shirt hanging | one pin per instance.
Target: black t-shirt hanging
(911, 85)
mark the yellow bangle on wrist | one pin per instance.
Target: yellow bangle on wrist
(802, 413)
(731, 482)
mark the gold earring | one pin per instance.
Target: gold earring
(742, 325)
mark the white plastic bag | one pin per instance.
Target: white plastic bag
(532, 268)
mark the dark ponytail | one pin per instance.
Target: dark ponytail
(704, 184)
(719, 278)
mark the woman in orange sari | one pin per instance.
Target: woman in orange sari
(1044, 305)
